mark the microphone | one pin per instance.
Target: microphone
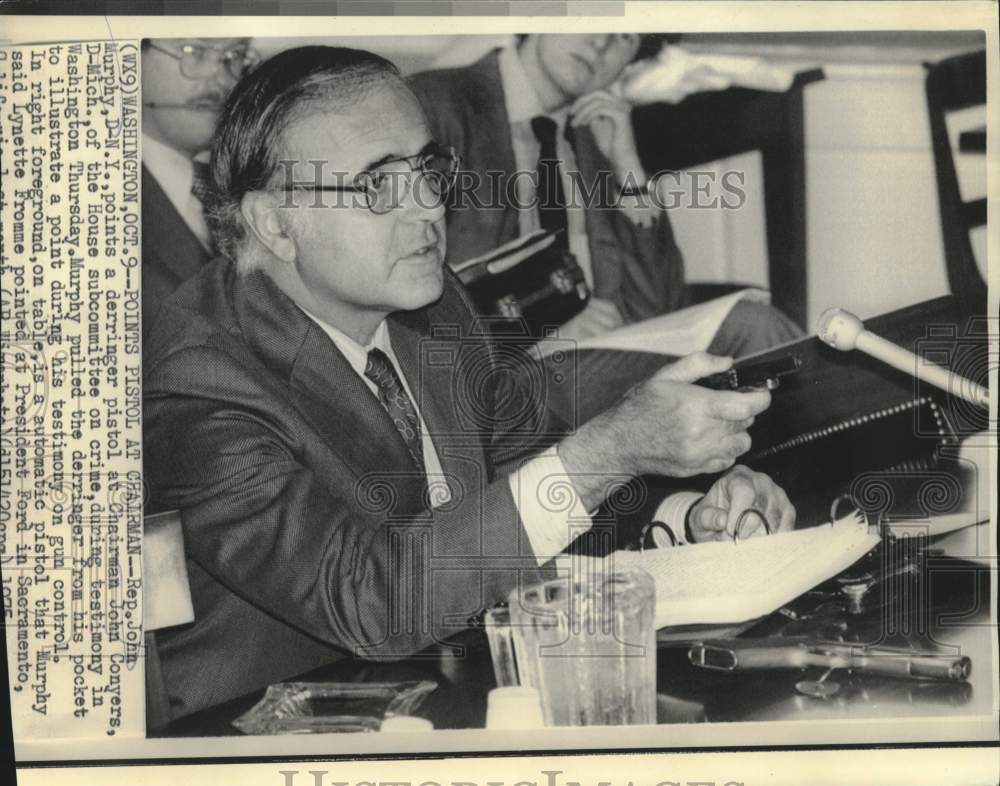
(844, 331)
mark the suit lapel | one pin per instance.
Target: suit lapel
(323, 386)
(167, 242)
(489, 140)
(431, 380)
(604, 241)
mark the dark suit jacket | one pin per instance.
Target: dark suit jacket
(639, 269)
(305, 526)
(171, 253)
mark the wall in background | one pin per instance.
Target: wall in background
(874, 235)
(874, 232)
(723, 245)
(873, 228)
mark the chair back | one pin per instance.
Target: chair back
(954, 84)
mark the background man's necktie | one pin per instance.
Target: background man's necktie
(551, 198)
(201, 187)
(397, 403)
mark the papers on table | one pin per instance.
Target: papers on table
(678, 333)
(723, 582)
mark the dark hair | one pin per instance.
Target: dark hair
(650, 44)
(263, 104)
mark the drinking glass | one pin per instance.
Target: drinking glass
(498, 633)
(588, 644)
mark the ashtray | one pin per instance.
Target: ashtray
(328, 707)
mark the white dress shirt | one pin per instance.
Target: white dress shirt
(549, 506)
(550, 528)
(174, 172)
(357, 357)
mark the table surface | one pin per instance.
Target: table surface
(941, 607)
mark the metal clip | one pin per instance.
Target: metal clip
(649, 528)
(743, 517)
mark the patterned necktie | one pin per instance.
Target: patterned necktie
(201, 185)
(397, 403)
(551, 199)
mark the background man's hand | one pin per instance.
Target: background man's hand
(599, 316)
(610, 121)
(664, 426)
(715, 516)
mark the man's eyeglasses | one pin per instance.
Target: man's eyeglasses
(382, 189)
(201, 61)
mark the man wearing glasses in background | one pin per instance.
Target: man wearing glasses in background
(337, 433)
(185, 82)
(548, 99)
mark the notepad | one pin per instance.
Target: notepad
(731, 582)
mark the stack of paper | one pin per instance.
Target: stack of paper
(730, 582)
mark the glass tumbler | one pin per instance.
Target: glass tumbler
(588, 644)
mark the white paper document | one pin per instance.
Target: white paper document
(678, 333)
(724, 582)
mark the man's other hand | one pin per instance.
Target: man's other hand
(715, 516)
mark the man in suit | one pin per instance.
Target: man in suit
(184, 84)
(336, 430)
(495, 113)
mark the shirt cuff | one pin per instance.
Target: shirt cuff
(672, 513)
(549, 506)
